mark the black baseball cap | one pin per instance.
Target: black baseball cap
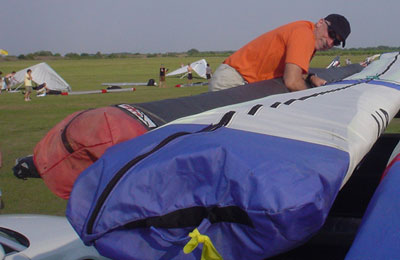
(340, 25)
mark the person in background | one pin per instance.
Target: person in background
(1, 201)
(208, 73)
(9, 80)
(189, 74)
(284, 52)
(163, 72)
(2, 86)
(42, 90)
(28, 85)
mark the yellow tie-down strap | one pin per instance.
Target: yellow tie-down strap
(209, 252)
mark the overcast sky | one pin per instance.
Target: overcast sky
(152, 26)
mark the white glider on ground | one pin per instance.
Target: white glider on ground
(42, 73)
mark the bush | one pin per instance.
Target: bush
(152, 55)
(72, 55)
(43, 53)
(112, 56)
(98, 55)
(30, 56)
(192, 52)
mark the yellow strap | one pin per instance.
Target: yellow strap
(209, 252)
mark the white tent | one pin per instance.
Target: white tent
(41, 73)
(198, 66)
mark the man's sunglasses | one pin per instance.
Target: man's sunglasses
(332, 34)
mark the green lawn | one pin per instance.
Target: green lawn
(23, 124)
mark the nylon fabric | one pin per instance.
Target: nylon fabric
(288, 200)
(61, 168)
(338, 114)
(282, 164)
(386, 84)
(378, 236)
(71, 144)
(386, 68)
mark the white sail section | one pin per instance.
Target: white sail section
(198, 66)
(324, 115)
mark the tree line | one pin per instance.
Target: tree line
(190, 53)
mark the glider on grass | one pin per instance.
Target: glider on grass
(115, 85)
(70, 147)
(43, 73)
(249, 180)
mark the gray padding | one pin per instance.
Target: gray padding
(167, 110)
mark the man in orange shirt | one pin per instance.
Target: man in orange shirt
(284, 52)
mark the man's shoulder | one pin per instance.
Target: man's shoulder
(297, 30)
(298, 25)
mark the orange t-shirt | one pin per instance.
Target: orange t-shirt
(265, 57)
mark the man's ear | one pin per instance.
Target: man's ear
(320, 22)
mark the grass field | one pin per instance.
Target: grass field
(23, 124)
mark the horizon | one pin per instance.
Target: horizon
(200, 51)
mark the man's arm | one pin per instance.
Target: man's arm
(295, 80)
(293, 77)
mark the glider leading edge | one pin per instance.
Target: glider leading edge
(70, 147)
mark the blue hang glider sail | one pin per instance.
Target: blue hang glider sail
(378, 236)
(257, 178)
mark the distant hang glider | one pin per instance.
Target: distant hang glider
(124, 84)
(150, 82)
(334, 63)
(42, 73)
(198, 66)
(99, 91)
(3, 52)
(370, 59)
(192, 85)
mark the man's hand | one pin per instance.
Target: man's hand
(317, 81)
